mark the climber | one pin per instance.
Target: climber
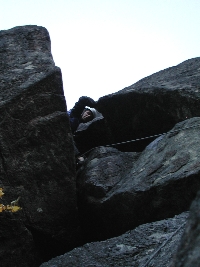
(82, 112)
(79, 114)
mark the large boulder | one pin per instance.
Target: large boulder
(150, 244)
(36, 152)
(17, 246)
(188, 250)
(153, 105)
(121, 190)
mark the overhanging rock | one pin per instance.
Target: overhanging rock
(153, 105)
(150, 244)
(121, 190)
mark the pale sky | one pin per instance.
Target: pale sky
(103, 46)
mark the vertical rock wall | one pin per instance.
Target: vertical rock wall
(36, 151)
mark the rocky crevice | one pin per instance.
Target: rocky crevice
(128, 204)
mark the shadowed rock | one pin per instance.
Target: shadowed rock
(188, 250)
(17, 246)
(119, 191)
(153, 105)
(150, 244)
(36, 151)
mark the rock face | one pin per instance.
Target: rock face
(188, 250)
(153, 105)
(17, 246)
(150, 244)
(122, 190)
(36, 151)
(124, 195)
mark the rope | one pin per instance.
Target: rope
(163, 244)
(142, 138)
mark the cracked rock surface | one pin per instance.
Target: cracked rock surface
(36, 151)
(118, 191)
(151, 244)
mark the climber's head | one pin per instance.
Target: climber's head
(88, 114)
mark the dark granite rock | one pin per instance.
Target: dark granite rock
(150, 244)
(36, 151)
(188, 251)
(153, 105)
(17, 246)
(119, 190)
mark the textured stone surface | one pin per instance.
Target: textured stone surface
(36, 151)
(118, 191)
(188, 251)
(25, 59)
(150, 244)
(153, 105)
(17, 246)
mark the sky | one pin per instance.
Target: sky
(103, 46)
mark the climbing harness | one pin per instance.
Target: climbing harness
(142, 138)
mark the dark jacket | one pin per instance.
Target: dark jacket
(76, 111)
(74, 122)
